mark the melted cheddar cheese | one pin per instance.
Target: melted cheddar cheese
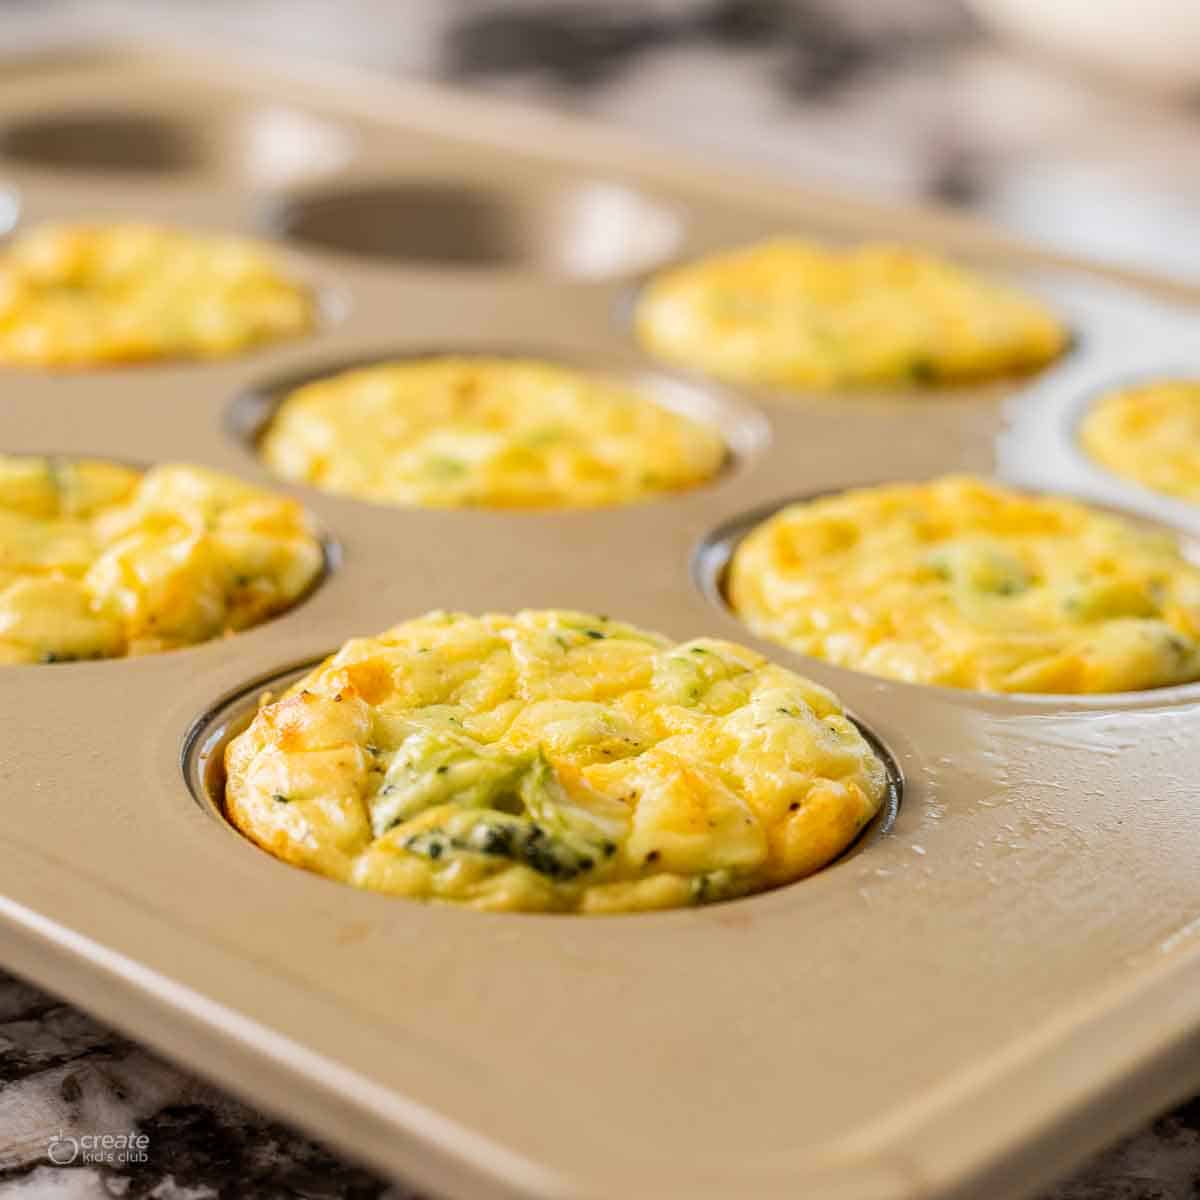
(791, 314)
(82, 295)
(98, 560)
(552, 761)
(492, 432)
(966, 584)
(1150, 434)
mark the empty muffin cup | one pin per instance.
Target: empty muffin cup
(102, 140)
(588, 230)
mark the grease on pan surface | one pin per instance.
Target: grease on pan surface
(552, 761)
(792, 314)
(1150, 434)
(963, 583)
(490, 432)
(80, 295)
(99, 561)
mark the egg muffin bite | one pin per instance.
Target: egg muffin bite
(98, 560)
(963, 583)
(792, 314)
(487, 432)
(89, 295)
(1150, 434)
(552, 761)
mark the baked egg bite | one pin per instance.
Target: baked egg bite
(1149, 433)
(85, 295)
(552, 761)
(966, 584)
(486, 432)
(796, 315)
(98, 560)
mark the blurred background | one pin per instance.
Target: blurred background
(1074, 122)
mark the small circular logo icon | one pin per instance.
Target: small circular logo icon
(62, 1151)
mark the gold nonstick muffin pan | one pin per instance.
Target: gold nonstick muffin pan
(999, 976)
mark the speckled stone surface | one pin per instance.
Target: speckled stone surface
(63, 1076)
(899, 98)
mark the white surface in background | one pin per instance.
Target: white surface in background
(1155, 42)
(1071, 160)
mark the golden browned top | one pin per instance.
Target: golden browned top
(964, 583)
(494, 432)
(81, 295)
(552, 761)
(98, 560)
(794, 314)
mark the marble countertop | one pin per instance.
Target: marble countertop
(905, 99)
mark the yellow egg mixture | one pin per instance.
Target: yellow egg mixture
(79, 295)
(98, 560)
(966, 584)
(793, 314)
(1150, 434)
(494, 432)
(552, 761)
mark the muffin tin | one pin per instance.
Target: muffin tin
(986, 987)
